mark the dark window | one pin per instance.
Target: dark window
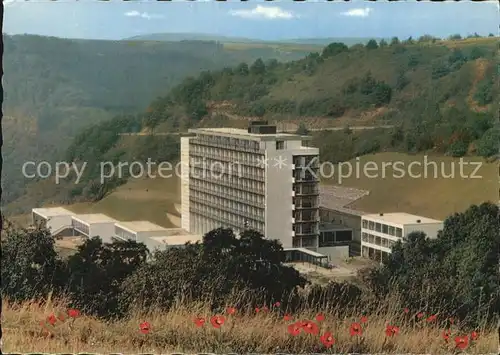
(280, 145)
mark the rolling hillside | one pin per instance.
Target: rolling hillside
(56, 87)
(437, 95)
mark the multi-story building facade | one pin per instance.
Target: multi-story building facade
(379, 232)
(257, 179)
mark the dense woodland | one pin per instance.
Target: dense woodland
(438, 94)
(54, 88)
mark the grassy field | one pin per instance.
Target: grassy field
(175, 331)
(429, 195)
(153, 200)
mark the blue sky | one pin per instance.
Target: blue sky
(253, 19)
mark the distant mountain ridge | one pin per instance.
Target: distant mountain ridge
(175, 37)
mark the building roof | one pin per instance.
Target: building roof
(243, 133)
(140, 226)
(306, 251)
(52, 212)
(178, 239)
(338, 198)
(401, 218)
(90, 218)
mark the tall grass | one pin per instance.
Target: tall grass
(246, 331)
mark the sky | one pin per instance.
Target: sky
(116, 19)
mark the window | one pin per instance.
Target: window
(371, 225)
(385, 228)
(343, 236)
(280, 145)
(378, 227)
(392, 231)
(399, 232)
(365, 223)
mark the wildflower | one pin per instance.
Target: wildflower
(52, 319)
(364, 319)
(217, 321)
(257, 310)
(431, 318)
(231, 310)
(73, 313)
(327, 339)
(61, 317)
(310, 327)
(446, 335)
(144, 327)
(294, 329)
(474, 335)
(420, 315)
(287, 317)
(199, 321)
(355, 329)
(391, 330)
(265, 309)
(406, 310)
(277, 304)
(462, 342)
(320, 317)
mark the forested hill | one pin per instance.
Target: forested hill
(55, 87)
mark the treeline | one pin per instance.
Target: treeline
(455, 275)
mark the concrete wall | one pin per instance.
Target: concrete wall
(348, 220)
(335, 253)
(105, 231)
(58, 222)
(185, 220)
(430, 229)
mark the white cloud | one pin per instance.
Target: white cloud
(360, 12)
(263, 12)
(145, 15)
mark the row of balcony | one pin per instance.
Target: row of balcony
(233, 185)
(221, 207)
(227, 196)
(238, 148)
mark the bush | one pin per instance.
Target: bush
(457, 149)
(489, 144)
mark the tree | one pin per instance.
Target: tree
(258, 67)
(489, 144)
(383, 43)
(30, 266)
(333, 49)
(242, 69)
(394, 41)
(457, 272)
(213, 270)
(372, 44)
(302, 129)
(455, 37)
(96, 272)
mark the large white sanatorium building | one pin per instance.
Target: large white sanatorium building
(253, 179)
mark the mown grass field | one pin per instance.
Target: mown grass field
(433, 194)
(153, 200)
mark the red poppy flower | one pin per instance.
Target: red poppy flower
(231, 310)
(420, 315)
(287, 317)
(364, 319)
(294, 329)
(462, 342)
(277, 304)
(320, 317)
(217, 321)
(474, 335)
(199, 321)
(355, 329)
(52, 319)
(327, 339)
(257, 310)
(446, 335)
(406, 310)
(391, 330)
(431, 318)
(310, 327)
(144, 327)
(73, 313)
(265, 309)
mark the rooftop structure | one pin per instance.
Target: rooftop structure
(52, 212)
(400, 218)
(90, 218)
(140, 226)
